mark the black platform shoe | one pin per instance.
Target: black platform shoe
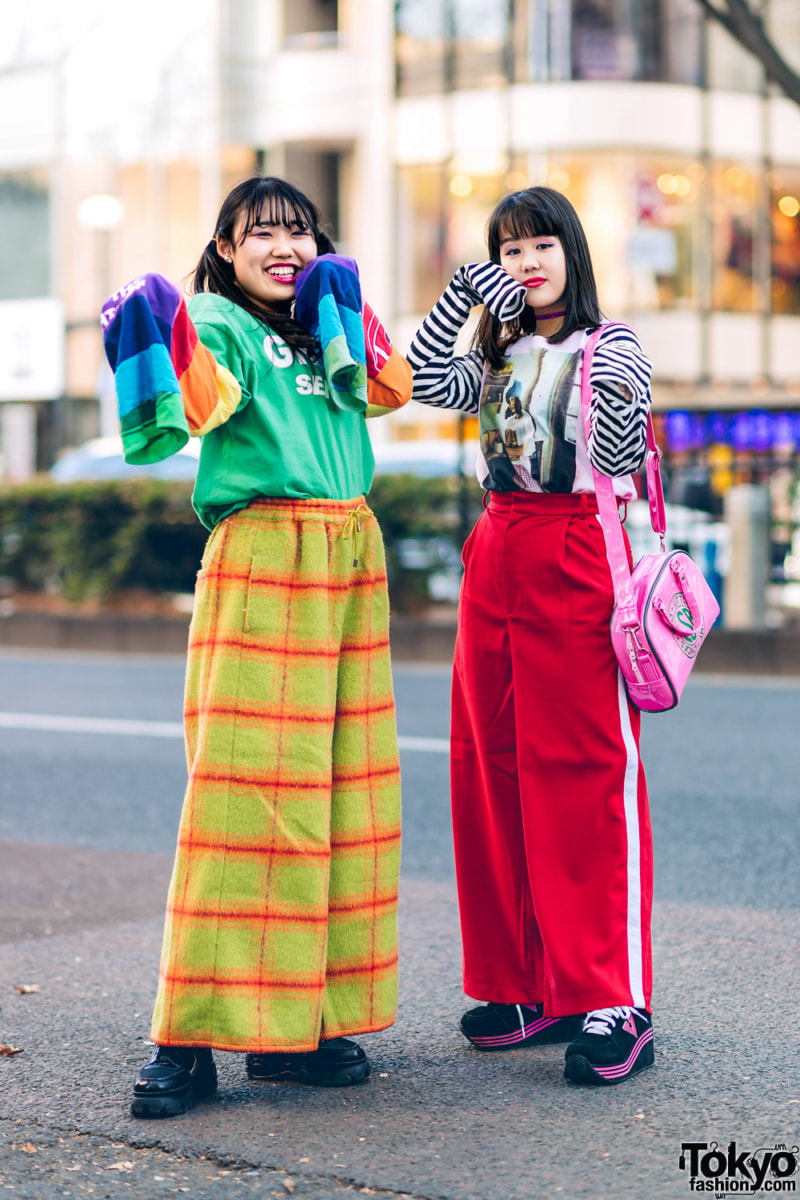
(508, 1026)
(172, 1081)
(337, 1063)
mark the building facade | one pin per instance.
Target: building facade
(407, 121)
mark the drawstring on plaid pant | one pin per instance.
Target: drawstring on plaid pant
(352, 526)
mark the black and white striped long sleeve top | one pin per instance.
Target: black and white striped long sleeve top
(620, 373)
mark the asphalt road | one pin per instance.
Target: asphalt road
(89, 803)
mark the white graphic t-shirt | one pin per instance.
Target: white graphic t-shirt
(531, 431)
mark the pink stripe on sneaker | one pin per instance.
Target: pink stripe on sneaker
(623, 1068)
(519, 1035)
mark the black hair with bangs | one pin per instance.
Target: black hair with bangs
(541, 212)
(282, 204)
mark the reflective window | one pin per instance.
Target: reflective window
(480, 35)
(25, 247)
(422, 269)
(472, 198)
(603, 40)
(730, 67)
(677, 43)
(734, 198)
(783, 23)
(482, 43)
(310, 22)
(421, 41)
(785, 218)
(450, 43)
(643, 217)
(637, 39)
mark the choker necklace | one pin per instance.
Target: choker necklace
(551, 316)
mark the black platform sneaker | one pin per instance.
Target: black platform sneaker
(172, 1081)
(507, 1026)
(615, 1043)
(337, 1063)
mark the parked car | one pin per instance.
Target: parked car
(101, 458)
(426, 458)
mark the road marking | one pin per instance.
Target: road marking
(52, 724)
(45, 723)
(425, 744)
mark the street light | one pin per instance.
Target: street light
(101, 212)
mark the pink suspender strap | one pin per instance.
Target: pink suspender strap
(607, 503)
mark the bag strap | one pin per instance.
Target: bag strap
(655, 485)
(607, 503)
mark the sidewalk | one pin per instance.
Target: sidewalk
(429, 638)
(437, 1119)
(86, 835)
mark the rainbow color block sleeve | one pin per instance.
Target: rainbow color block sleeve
(389, 378)
(328, 304)
(169, 385)
(364, 371)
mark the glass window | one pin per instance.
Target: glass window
(730, 67)
(421, 38)
(25, 248)
(642, 217)
(310, 22)
(783, 23)
(785, 216)
(679, 39)
(541, 45)
(482, 43)
(442, 217)
(734, 197)
(471, 200)
(421, 259)
(318, 173)
(603, 41)
(480, 34)
(648, 40)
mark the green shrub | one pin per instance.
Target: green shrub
(91, 540)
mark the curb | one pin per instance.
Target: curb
(724, 652)
(413, 639)
(112, 632)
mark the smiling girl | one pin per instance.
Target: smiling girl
(550, 815)
(281, 932)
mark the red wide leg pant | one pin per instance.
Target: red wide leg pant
(551, 823)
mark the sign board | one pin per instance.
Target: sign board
(653, 249)
(32, 336)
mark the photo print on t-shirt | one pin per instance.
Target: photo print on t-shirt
(529, 413)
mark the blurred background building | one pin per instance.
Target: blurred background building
(122, 126)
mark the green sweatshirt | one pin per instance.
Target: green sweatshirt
(286, 438)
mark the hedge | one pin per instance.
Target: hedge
(91, 540)
(94, 540)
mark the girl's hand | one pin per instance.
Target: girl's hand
(487, 283)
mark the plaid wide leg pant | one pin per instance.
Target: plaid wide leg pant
(281, 924)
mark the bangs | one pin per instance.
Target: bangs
(522, 216)
(278, 205)
(519, 223)
(527, 214)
